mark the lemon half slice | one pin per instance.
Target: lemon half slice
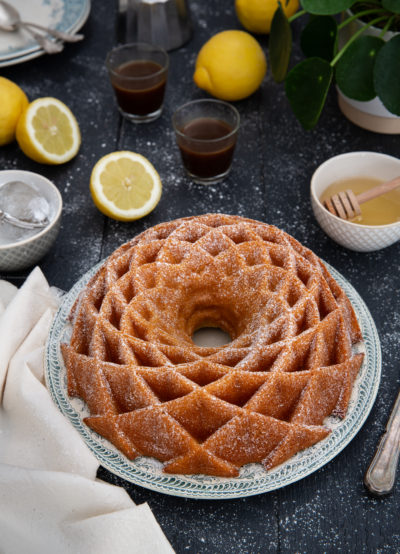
(125, 186)
(48, 132)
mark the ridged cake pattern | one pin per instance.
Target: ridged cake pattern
(261, 398)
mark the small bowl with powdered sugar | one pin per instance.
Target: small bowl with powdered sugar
(35, 201)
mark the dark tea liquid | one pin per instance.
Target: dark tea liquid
(205, 158)
(139, 86)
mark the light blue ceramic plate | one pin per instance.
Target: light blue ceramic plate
(63, 15)
(253, 479)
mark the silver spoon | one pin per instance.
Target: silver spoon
(24, 199)
(10, 20)
(8, 218)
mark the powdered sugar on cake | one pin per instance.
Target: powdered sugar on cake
(261, 398)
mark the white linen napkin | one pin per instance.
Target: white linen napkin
(50, 499)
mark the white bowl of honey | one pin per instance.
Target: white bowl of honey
(378, 225)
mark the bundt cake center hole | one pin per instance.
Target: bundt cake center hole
(210, 337)
(211, 325)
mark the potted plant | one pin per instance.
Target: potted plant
(364, 65)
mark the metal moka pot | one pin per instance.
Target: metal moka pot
(165, 23)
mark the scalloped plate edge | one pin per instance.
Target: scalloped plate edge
(253, 479)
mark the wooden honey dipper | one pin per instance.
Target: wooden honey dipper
(346, 205)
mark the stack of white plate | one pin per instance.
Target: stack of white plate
(63, 15)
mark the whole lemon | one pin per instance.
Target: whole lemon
(230, 66)
(13, 101)
(256, 15)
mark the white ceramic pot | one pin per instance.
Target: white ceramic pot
(371, 115)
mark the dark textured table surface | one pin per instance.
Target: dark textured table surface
(330, 510)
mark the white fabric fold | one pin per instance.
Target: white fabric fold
(50, 499)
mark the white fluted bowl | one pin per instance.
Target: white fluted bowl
(24, 253)
(361, 238)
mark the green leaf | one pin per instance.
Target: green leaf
(318, 37)
(326, 7)
(307, 86)
(386, 75)
(391, 5)
(280, 45)
(354, 70)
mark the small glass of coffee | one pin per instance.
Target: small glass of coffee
(138, 74)
(206, 133)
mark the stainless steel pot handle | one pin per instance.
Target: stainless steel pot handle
(380, 475)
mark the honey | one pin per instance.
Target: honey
(380, 211)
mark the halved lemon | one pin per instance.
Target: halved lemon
(48, 132)
(125, 186)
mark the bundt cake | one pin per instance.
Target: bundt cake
(260, 398)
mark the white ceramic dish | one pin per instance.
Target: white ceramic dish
(361, 238)
(24, 253)
(253, 479)
(63, 15)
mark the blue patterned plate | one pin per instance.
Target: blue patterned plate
(63, 15)
(253, 479)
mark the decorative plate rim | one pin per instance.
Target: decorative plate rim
(31, 51)
(253, 479)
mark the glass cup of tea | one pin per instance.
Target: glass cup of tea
(138, 74)
(206, 133)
